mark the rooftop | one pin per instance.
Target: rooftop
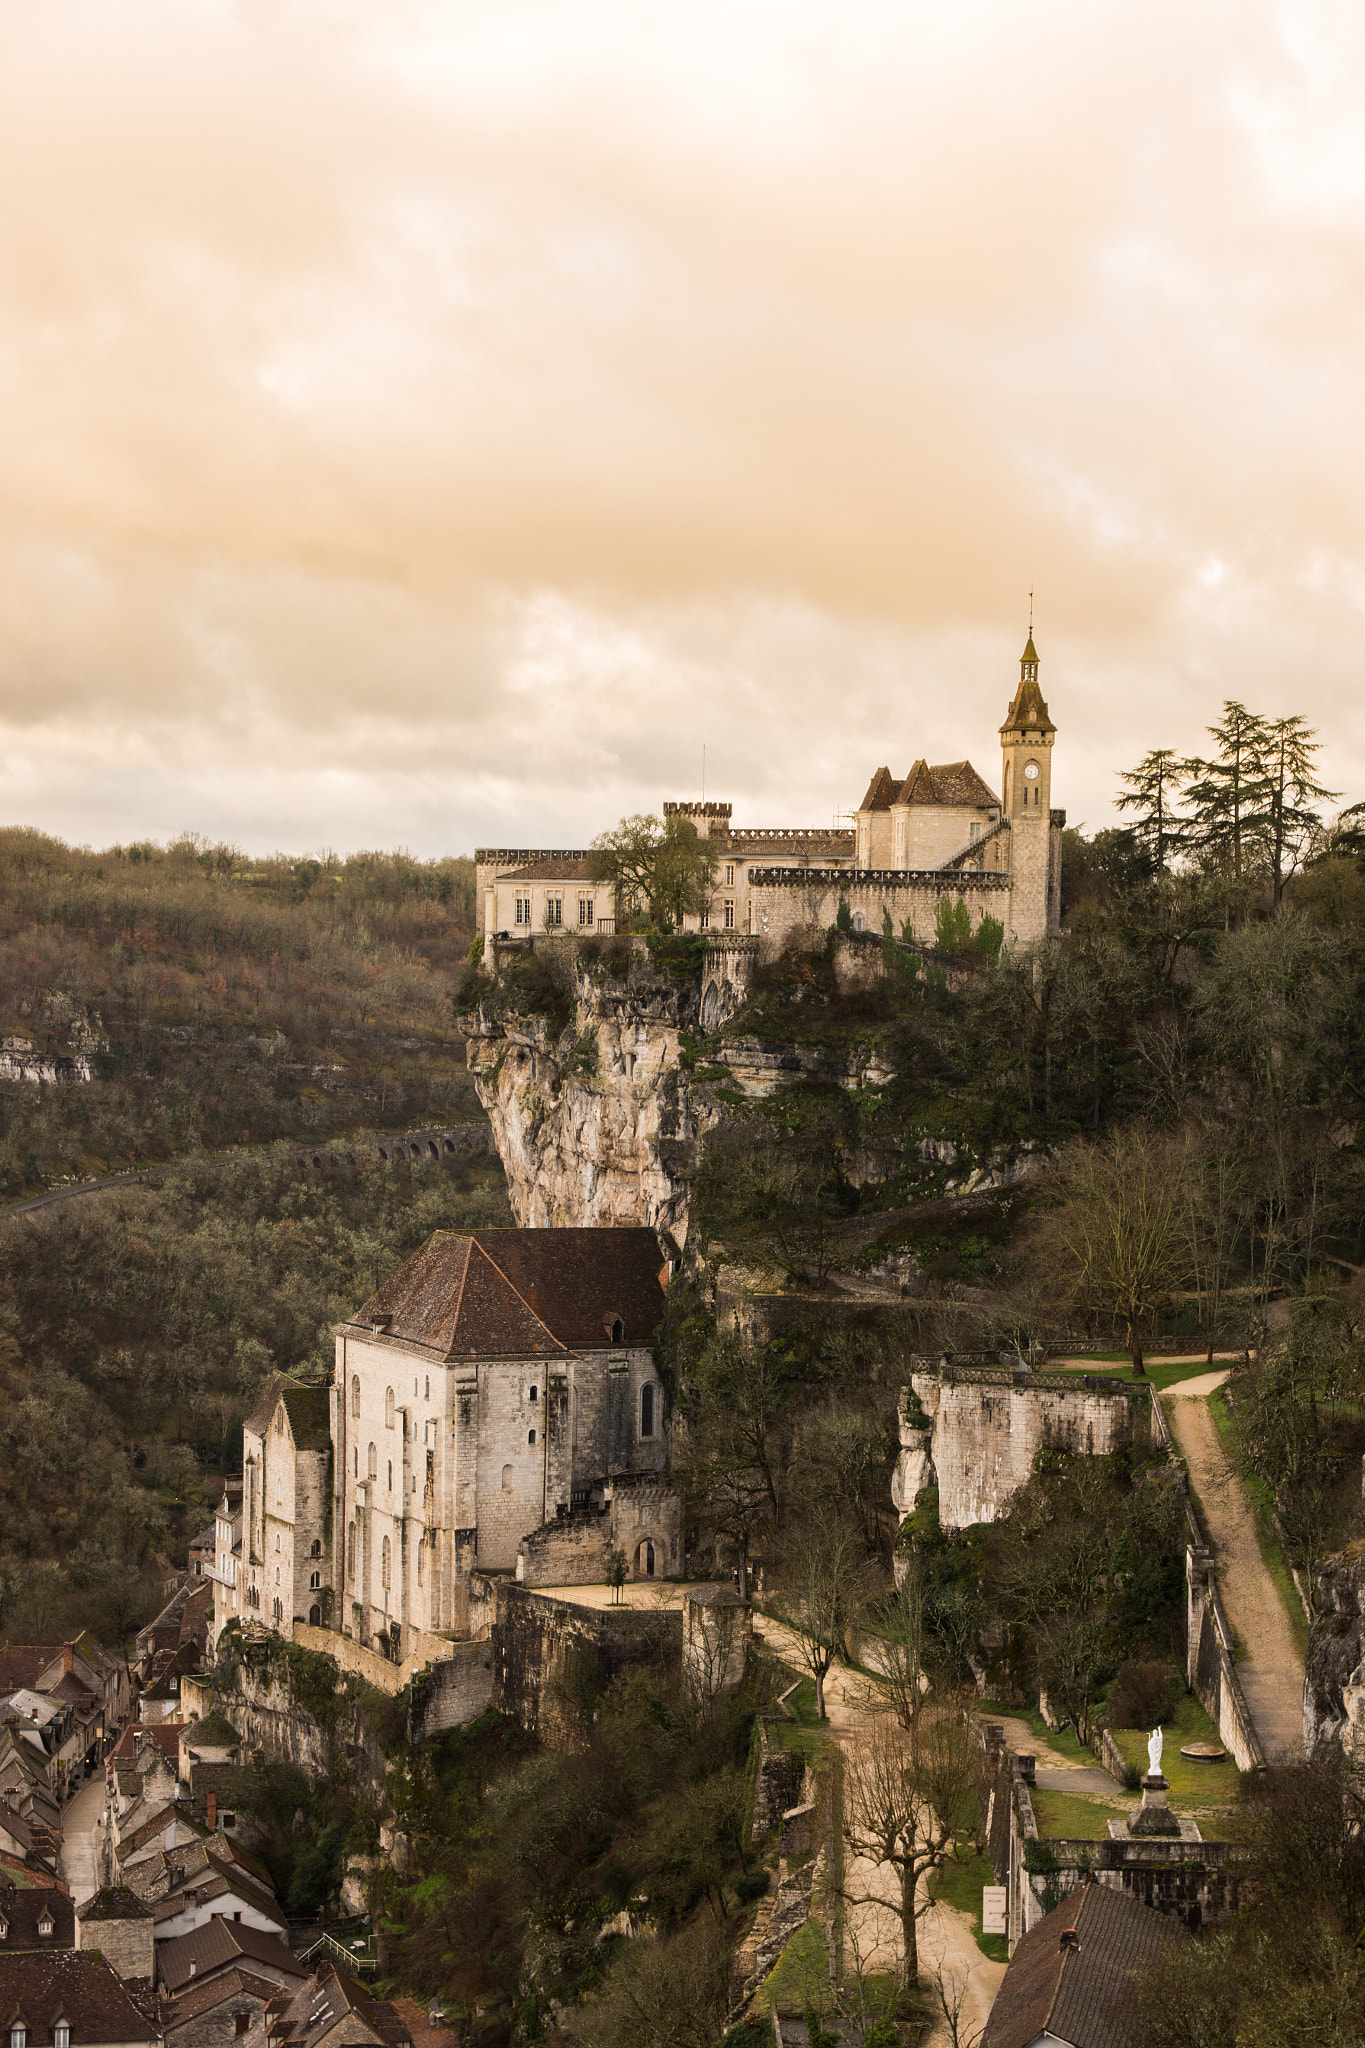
(75, 1986)
(1071, 1975)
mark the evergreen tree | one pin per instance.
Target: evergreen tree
(1152, 788)
(1288, 773)
(1230, 794)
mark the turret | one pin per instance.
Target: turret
(1026, 740)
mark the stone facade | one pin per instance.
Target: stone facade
(639, 1514)
(972, 1431)
(939, 830)
(552, 1660)
(271, 1560)
(119, 1924)
(488, 1390)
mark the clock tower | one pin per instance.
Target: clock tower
(1026, 740)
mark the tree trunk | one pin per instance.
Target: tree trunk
(909, 1877)
(820, 1694)
(744, 1569)
(1135, 1346)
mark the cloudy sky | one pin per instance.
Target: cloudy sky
(430, 424)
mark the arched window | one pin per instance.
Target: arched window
(427, 1395)
(356, 1455)
(355, 1395)
(390, 1475)
(530, 1436)
(618, 1331)
(507, 1478)
(374, 1462)
(277, 1540)
(647, 1410)
(386, 1562)
(316, 1550)
(350, 1552)
(315, 1616)
(388, 1407)
(314, 1582)
(278, 1610)
(534, 1394)
(277, 1575)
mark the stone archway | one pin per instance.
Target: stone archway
(649, 1557)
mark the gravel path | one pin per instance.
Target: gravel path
(1272, 1675)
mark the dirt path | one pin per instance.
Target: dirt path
(1272, 1676)
(946, 1937)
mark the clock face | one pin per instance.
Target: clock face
(1031, 772)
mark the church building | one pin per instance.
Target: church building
(914, 838)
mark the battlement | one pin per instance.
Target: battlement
(518, 856)
(880, 878)
(698, 810)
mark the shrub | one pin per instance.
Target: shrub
(1144, 1695)
(752, 1885)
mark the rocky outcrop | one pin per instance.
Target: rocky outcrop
(600, 1123)
(1334, 1669)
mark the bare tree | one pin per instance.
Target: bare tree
(908, 1792)
(823, 1593)
(1121, 1227)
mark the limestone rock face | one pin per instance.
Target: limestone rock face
(1334, 1670)
(600, 1125)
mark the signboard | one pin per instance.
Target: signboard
(993, 1900)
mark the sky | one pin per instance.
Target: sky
(434, 424)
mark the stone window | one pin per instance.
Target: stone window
(523, 915)
(859, 921)
(530, 1436)
(18, 2036)
(729, 878)
(533, 1394)
(585, 906)
(373, 1462)
(421, 1552)
(315, 1548)
(386, 1562)
(277, 1575)
(647, 1410)
(705, 919)
(356, 1455)
(277, 1541)
(616, 1330)
(314, 1582)
(390, 1475)
(729, 914)
(61, 2034)
(355, 1395)
(554, 910)
(388, 1407)
(350, 1552)
(427, 1395)
(507, 1478)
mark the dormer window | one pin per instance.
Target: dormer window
(615, 1329)
(61, 2034)
(46, 1924)
(18, 2035)
(4, 1930)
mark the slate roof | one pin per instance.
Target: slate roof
(215, 1946)
(1079, 1993)
(308, 1409)
(554, 871)
(953, 782)
(204, 1995)
(523, 1293)
(21, 1910)
(113, 1902)
(165, 1737)
(881, 792)
(73, 1985)
(771, 845)
(1028, 709)
(324, 2001)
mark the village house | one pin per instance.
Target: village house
(934, 831)
(500, 1382)
(327, 2010)
(90, 1682)
(70, 1999)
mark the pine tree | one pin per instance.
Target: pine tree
(1288, 770)
(1152, 787)
(1230, 794)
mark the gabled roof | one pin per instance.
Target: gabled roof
(21, 1910)
(113, 1902)
(1078, 1990)
(218, 1944)
(329, 1998)
(308, 1409)
(566, 870)
(163, 1735)
(881, 792)
(205, 1994)
(76, 1986)
(953, 782)
(523, 1293)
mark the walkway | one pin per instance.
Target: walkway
(78, 1839)
(1272, 1675)
(946, 1937)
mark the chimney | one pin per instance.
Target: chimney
(66, 1658)
(211, 1813)
(1070, 1939)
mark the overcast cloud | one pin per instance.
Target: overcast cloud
(430, 424)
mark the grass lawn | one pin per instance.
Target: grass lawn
(1063, 1742)
(1161, 1372)
(807, 1734)
(1071, 1817)
(1191, 1783)
(1263, 1508)
(800, 1976)
(961, 1885)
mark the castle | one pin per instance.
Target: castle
(936, 831)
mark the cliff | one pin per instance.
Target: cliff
(1334, 1669)
(597, 1119)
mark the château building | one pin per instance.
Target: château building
(936, 830)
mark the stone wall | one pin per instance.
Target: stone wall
(126, 1945)
(450, 1694)
(552, 1661)
(1334, 1674)
(1211, 1664)
(787, 902)
(974, 1432)
(217, 2028)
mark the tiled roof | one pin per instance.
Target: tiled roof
(308, 1409)
(797, 844)
(205, 1994)
(328, 1999)
(881, 792)
(22, 1665)
(73, 1985)
(1078, 1992)
(165, 1737)
(113, 1902)
(217, 1944)
(954, 782)
(424, 2031)
(523, 1293)
(554, 871)
(21, 1910)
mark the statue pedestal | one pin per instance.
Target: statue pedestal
(1154, 1817)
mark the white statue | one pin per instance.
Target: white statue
(1154, 1754)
